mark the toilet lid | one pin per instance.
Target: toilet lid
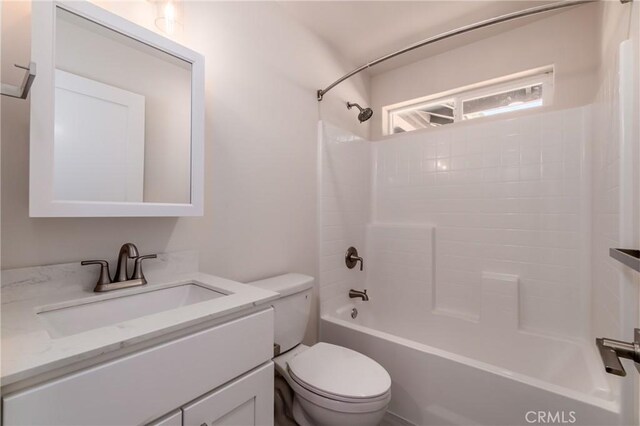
(339, 371)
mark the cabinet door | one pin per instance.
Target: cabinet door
(172, 419)
(245, 401)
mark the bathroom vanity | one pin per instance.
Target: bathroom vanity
(117, 130)
(187, 348)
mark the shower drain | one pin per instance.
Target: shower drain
(354, 313)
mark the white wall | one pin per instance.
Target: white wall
(567, 40)
(262, 71)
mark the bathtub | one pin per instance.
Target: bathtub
(448, 371)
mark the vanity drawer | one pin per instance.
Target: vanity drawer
(138, 388)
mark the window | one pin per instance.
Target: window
(511, 93)
(529, 96)
(422, 116)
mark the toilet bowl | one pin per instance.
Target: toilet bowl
(335, 385)
(332, 385)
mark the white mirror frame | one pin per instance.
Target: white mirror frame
(41, 198)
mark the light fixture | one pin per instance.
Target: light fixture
(169, 16)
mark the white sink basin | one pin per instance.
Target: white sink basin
(75, 319)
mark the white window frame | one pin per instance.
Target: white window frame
(544, 76)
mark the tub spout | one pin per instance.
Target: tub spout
(357, 293)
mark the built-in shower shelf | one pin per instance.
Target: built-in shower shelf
(629, 257)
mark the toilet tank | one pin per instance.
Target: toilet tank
(292, 308)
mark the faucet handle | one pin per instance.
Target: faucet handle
(104, 277)
(351, 258)
(137, 267)
(612, 364)
(612, 350)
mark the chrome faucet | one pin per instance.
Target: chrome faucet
(122, 278)
(357, 293)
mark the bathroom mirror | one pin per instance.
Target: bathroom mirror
(116, 117)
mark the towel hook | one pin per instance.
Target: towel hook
(22, 91)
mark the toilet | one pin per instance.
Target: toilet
(331, 385)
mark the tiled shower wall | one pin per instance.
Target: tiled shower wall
(345, 200)
(507, 197)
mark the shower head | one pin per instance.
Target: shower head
(365, 113)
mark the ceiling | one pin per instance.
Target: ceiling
(361, 31)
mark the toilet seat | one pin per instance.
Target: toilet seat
(340, 374)
(362, 406)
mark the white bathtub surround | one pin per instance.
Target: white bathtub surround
(404, 303)
(499, 301)
(402, 328)
(405, 254)
(476, 260)
(506, 197)
(344, 203)
(402, 254)
(30, 351)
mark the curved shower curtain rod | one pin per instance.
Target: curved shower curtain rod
(442, 36)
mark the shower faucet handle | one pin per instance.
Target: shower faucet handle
(351, 258)
(612, 350)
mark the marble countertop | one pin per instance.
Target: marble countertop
(29, 351)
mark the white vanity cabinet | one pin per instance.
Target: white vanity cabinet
(219, 375)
